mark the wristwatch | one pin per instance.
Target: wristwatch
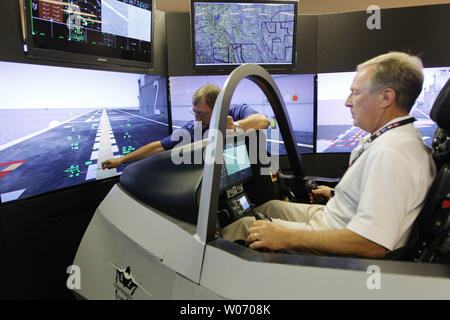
(238, 128)
(332, 193)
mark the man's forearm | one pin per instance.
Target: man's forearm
(337, 242)
(143, 152)
(254, 121)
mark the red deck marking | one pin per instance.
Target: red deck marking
(7, 164)
(12, 162)
(3, 173)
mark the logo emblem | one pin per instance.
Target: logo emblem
(125, 284)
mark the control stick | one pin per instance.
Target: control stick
(319, 199)
(262, 216)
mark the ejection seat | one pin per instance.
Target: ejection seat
(430, 235)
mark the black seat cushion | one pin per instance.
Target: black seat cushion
(440, 112)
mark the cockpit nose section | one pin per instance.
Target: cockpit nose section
(155, 225)
(168, 181)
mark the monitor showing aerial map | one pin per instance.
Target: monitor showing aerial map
(230, 33)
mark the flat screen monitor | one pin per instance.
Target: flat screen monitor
(229, 33)
(335, 129)
(236, 168)
(116, 32)
(58, 124)
(297, 90)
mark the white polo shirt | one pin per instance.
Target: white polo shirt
(381, 194)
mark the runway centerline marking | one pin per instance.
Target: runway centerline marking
(105, 149)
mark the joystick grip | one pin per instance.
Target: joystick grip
(260, 216)
(224, 217)
(309, 186)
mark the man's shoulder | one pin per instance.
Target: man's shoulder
(187, 126)
(238, 106)
(186, 131)
(241, 111)
(402, 138)
(403, 143)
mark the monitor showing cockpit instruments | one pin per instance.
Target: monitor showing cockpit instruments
(236, 167)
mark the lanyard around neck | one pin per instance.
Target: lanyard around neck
(380, 132)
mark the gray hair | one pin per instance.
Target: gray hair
(399, 71)
(209, 91)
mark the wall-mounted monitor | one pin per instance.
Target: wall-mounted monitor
(105, 32)
(297, 90)
(226, 34)
(58, 124)
(335, 129)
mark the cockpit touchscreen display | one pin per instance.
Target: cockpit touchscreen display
(236, 166)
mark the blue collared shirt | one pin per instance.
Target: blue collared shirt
(237, 112)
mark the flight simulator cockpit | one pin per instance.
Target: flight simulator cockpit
(162, 224)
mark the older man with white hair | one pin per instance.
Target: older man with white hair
(381, 194)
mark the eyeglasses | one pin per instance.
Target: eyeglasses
(199, 114)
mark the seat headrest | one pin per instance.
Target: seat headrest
(440, 112)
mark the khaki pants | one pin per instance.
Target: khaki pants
(298, 216)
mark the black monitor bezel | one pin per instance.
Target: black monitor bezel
(229, 67)
(81, 59)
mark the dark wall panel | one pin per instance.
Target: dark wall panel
(326, 165)
(344, 41)
(160, 44)
(179, 54)
(39, 237)
(306, 44)
(10, 32)
(437, 31)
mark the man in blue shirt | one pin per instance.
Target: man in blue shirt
(240, 119)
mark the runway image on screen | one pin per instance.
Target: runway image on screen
(58, 124)
(296, 90)
(335, 129)
(235, 33)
